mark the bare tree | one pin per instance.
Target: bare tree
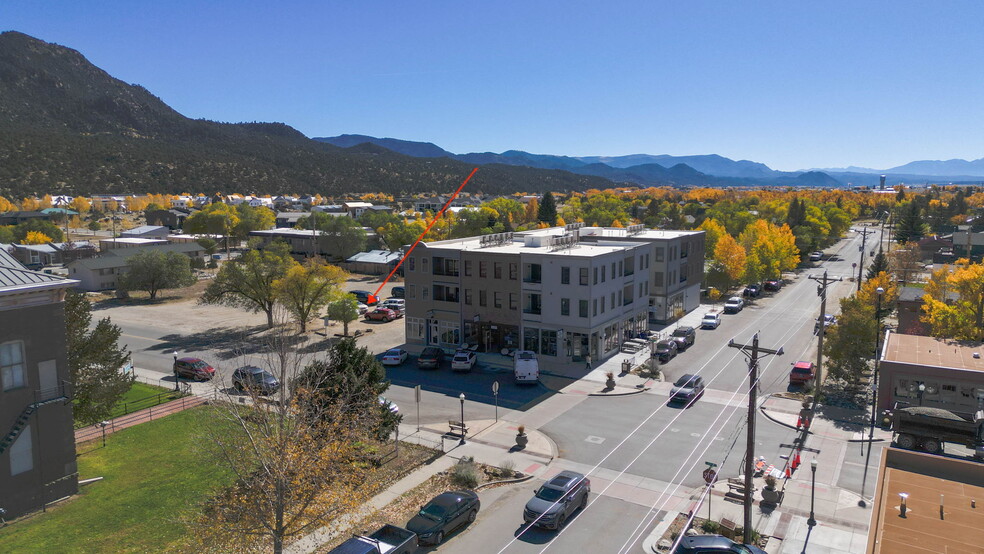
(905, 262)
(296, 468)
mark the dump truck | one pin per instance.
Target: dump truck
(927, 429)
(388, 539)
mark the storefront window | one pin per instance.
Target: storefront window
(548, 343)
(531, 339)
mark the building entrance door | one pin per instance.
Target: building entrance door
(433, 336)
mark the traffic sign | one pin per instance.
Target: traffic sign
(710, 476)
(416, 393)
(495, 387)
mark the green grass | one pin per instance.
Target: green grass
(154, 474)
(142, 396)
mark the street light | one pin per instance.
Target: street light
(922, 389)
(175, 369)
(812, 522)
(462, 398)
(874, 395)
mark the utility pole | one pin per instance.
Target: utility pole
(752, 353)
(864, 239)
(822, 293)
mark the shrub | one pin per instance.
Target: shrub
(507, 467)
(710, 526)
(465, 473)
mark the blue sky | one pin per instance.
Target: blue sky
(790, 84)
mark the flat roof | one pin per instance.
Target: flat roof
(518, 246)
(933, 352)
(133, 240)
(923, 529)
(648, 234)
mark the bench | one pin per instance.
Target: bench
(458, 428)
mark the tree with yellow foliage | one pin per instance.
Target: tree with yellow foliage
(712, 232)
(617, 224)
(308, 288)
(80, 204)
(868, 294)
(770, 250)
(727, 267)
(961, 318)
(30, 204)
(36, 237)
(7, 205)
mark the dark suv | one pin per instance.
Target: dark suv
(554, 502)
(684, 337)
(666, 350)
(193, 368)
(252, 378)
(431, 357)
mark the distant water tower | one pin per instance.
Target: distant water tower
(882, 184)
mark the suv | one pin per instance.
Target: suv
(708, 544)
(431, 357)
(193, 368)
(363, 297)
(734, 305)
(253, 378)
(753, 290)
(828, 320)
(684, 337)
(711, 320)
(395, 304)
(802, 373)
(773, 285)
(666, 350)
(383, 314)
(463, 360)
(399, 292)
(557, 499)
(816, 256)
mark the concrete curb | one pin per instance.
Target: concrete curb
(649, 543)
(504, 482)
(629, 393)
(808, 432)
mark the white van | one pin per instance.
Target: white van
(525, 366)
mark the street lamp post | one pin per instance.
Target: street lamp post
(175, 369)
(462, 398)
(874, 395)
(812, 522)
(922, 389)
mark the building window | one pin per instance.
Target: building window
(565, 306)
(513, 272)
(584, 275)
(621, 268)
(468, 297)
(424, 292)
(12, 365)
(565, 276)
(415, 327)
(468, 268)
(423, 264)
(532, 305)
(497, 299)
(497, 269)
(513, 301)
(412, 291)
(658, 279)
(647, 261)
(582, 308)
(627, 295)
(594, 307)
(444, 293)
(450, 332)
(483, 298)
(603, 268)
(684, 248)
(613, 300)
(630, 265)
(595, 276)
(483, 269)
(548, 343)
(531, 339)
(683, 273)
(22, 453)
(445, 266)
(532, 273)
(603, 304)
(659, 253)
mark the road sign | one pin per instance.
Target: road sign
(416, 393)
(495, 387)
(710, 476)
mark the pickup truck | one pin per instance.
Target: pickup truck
(388, 539)
(711, 320)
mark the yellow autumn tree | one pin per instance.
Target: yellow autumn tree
(7, 205)
(36, 237)
(868, 294)
(617, 224)
(728, 264)
(30, 204)
(954, 302)
(80, 204)
(713, 231)
(770, 250)
(560, 221)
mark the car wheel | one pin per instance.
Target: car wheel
(906, 441)
(561, 520)
(584, 500)
(472, 515)
(386, 320)
(439, 537)
(238, 386)
(931, 446)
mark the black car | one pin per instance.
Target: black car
(557, 499)
(773, 285)
(256, 379)
(363, 297)
(399, 292)
(754, 290)
(431, 358)
(666, 350)
(687, 387)
(710, 544)
(443, 514)
(684, 337)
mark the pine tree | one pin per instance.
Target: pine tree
(878, 264)
(911, 227)
(547, 212)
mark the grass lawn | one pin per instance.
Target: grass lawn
(142, 396)
(153, 474)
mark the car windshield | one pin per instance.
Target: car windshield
(392, 353)
(680, 333)
(433, 511)
(663, 345)
(461, 357)
(526, 356)
(199, 365)
(429, 353)
(550, 495)
(685, 381)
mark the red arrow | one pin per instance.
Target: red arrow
(372, 297)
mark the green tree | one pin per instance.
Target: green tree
(396, 235)
(878, 264)
(215, 219)
(305, 289)
(547, 212)
(344, 308)
(156, 271)
(95, 361)
(338, 236)
(208, 244)
(850, 344)
(911, 227)
(351, 372)
(252, 218)
(248, 281)
(40, 226)
(94, 225)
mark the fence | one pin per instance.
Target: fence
(143, 416)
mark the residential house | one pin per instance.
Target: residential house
(147, 232)
(373, 262)
(355, 209)
(127, 242)
(103, 272)
(290, 219)
(173, 219)
(16, 218)
(37, 448)
(36, 256)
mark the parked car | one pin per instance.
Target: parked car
(255, 379)
(753, 290)
(554, 502)
(383, 314)
(711, 320)
(388, 404)
(734, 305)
(388, 538)
(445, 513)
(395, 356)
(463, 360)
(711, 544)
(396, 304)
(684, 337)
(828, 320)
(773, 285)
(363, 308)
(526, 368)
(363, 297)
(193, 368)
(431, 357)
(802, 373)
(816, 256)
(687, 387)
(399, 292)
(666, 350)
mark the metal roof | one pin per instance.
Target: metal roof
(375, 257)
(13, 274)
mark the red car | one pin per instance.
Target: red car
(193, 368)
(383, 314)
(802, 373)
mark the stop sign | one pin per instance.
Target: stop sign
(709, 476)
